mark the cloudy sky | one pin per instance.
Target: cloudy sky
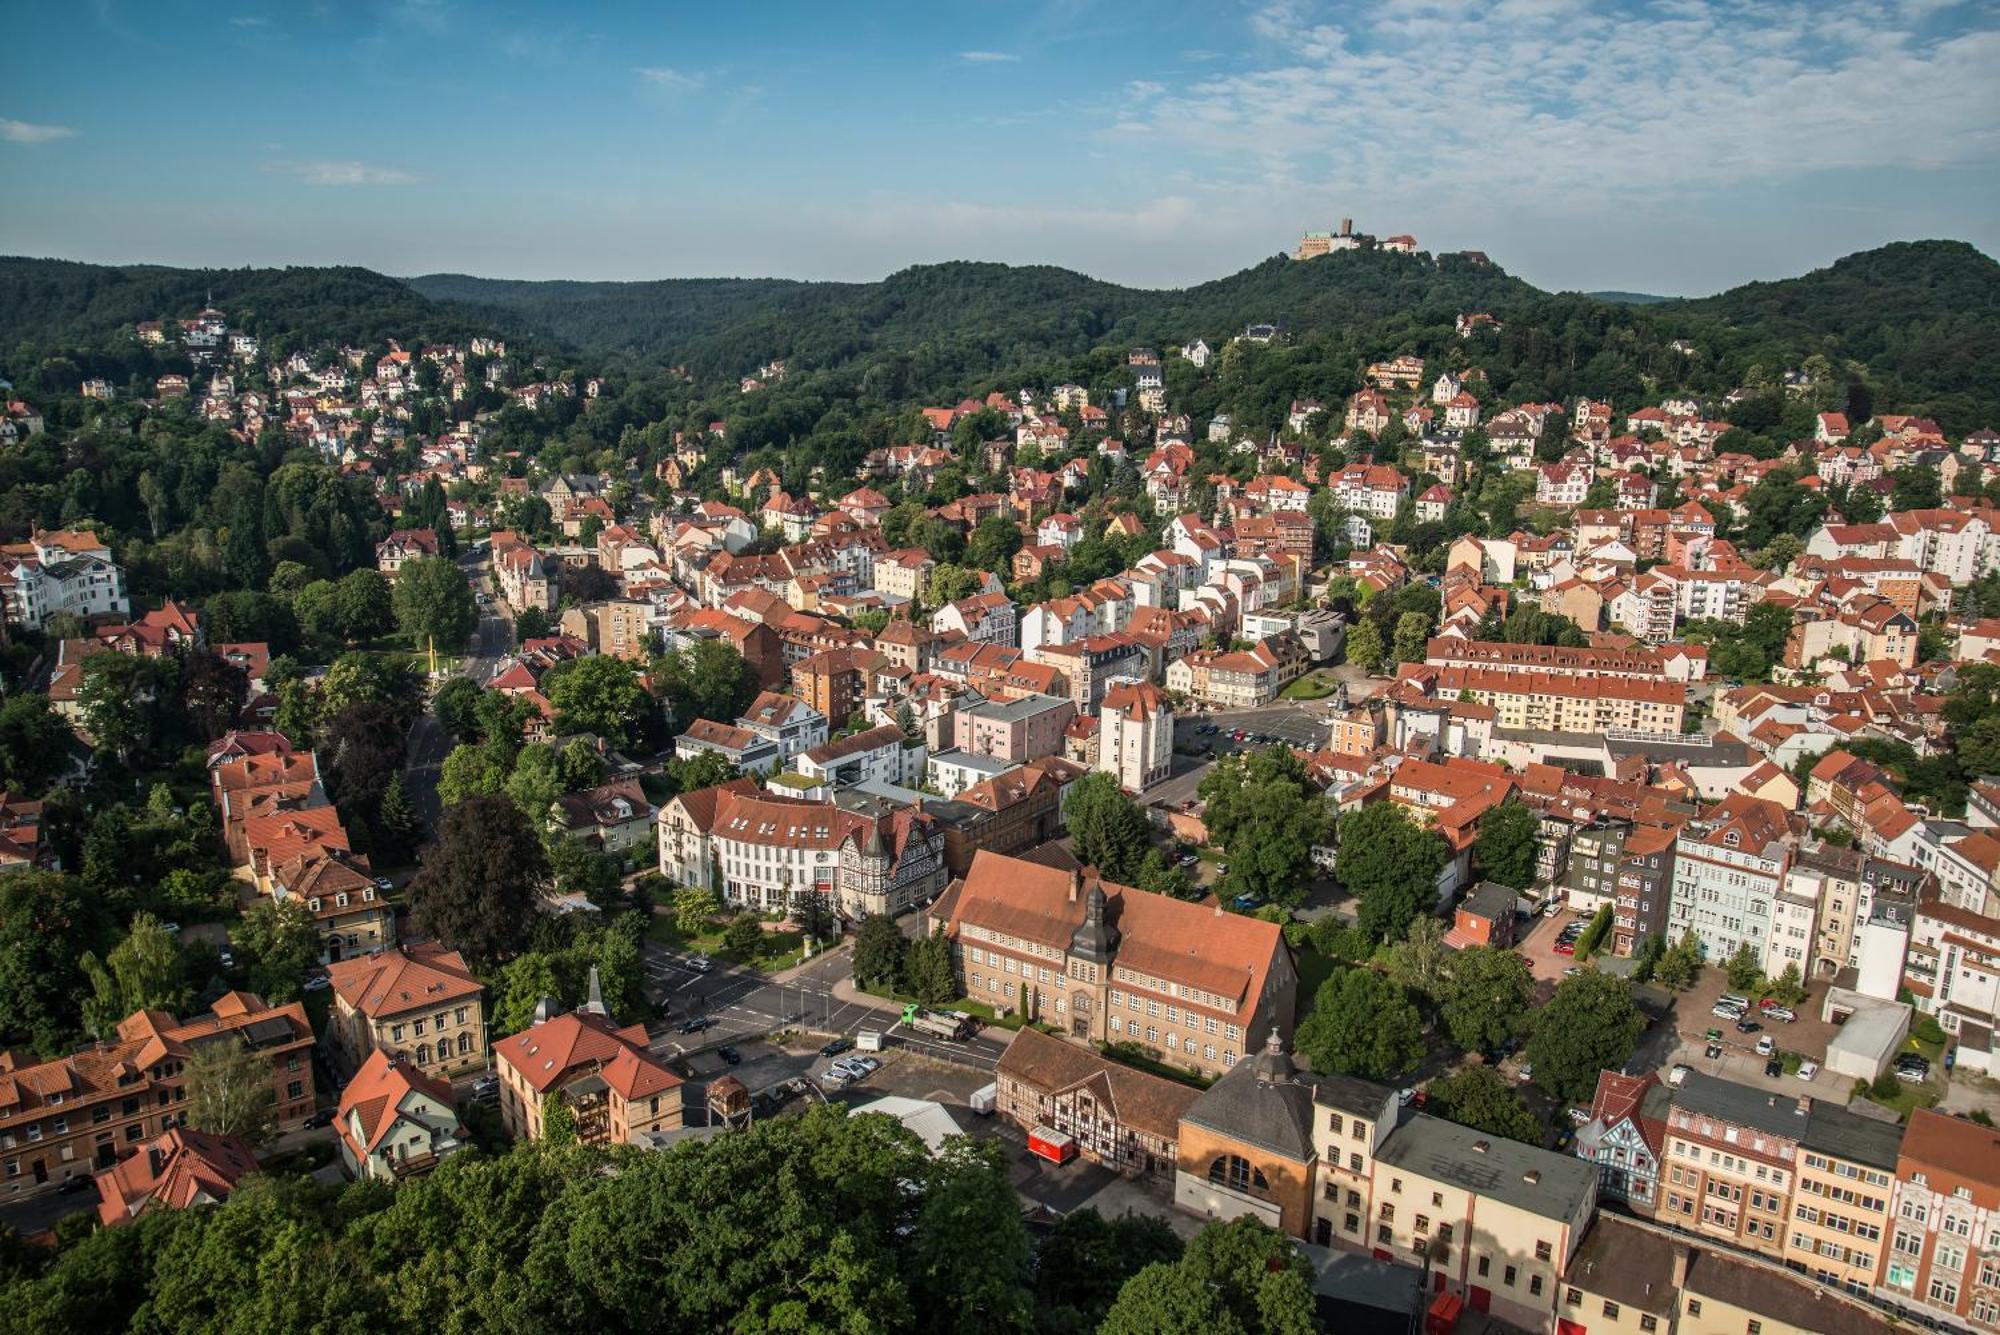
(1671, 146)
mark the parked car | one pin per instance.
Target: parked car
(1807, 1070)
(1247, 903)
(319, 982)
(700, 963)
(1564, 946)
(1913, 1067)
(697, 1024)
(1527, 1072)
(71, 1185)
(1552, 909)
(225, 957)
(1766, 1046)
(1774, 1068)
(836, 1047)
(319, 1118)
(729, 1054)
(866, 1065)
(1783, 1013)
(1731, 999)
(836, 1075)
(1747, 1026)
(1723, 1010)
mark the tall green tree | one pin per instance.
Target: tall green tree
(1361, 1024)
(434, 605)
(230, 1092)
(879, 946)
(145, 971)
(282, 942)
(1506, 845)
(1390, 864)
(1484, 997)
(598, 694)
(1268, 820)
(482, 882)
(1107, 829)
(1590, 1025)
(927, 971)
(1481, 1098)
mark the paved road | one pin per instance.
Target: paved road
(745, 1003)
(1301, 724)
(429, 743)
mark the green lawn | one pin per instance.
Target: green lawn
(1910, 1097)
(1314, 969)
(1312, 686)
(784, 948)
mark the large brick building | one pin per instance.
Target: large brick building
(1188, 983)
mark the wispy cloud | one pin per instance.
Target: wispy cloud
(1729, 94)
(25, 132)
(344, 172)
(660, 76)
(249, 21)
(989, 57)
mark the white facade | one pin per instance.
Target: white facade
(1135, 736)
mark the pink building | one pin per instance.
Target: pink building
(1013, 730)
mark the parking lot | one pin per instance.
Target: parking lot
(1537, 946)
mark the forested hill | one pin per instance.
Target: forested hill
(992, 315)
(1916, 322)
(53, 304)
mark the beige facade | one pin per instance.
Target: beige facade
(1841, 1196)
(421, 1003)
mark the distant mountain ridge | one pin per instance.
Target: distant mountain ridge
(1629, 298)
(1921, 318)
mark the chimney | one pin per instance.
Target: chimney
(1683, 1258)
(1075, 885)
(153, 1162)
(1532, 1177)
(1805, 1105)
(1481, 1146)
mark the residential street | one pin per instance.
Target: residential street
(429, 743)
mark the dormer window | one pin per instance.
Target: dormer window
(313, 903)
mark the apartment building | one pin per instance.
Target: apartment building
(1626, 1138)
(1501, 656)
(766, 852)
(71, 1116)
(1016, 731)
(354, 917)
(1944, 1255)
(1092, 663)
(1135, 738)
(1731, 1153)
(1561, 701)
(878, 755)
(1843, 882)
(1500, 1219)
(788, 723)
(1012, 812)
(1952, 970)
(1630, 1278)
(525, 580)
(1239, 678)
(64, 571)
(1841, 1196)
(1729, 869)
(419, 1003)
(618, 628)
(1189, 984)
(1629, 865)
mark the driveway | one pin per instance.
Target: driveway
(1538, 947)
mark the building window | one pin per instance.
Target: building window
(1694, 1307)
(1485, 1264)
(1574, 1297)
(1234, 1171)
(1535, 1285)
(1610, 1310)
(1507, 1276)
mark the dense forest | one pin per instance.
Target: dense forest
(1915, 321)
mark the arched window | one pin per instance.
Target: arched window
(423, 1054)
(1234, 1171)
(464, 1044)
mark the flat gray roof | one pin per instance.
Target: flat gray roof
(1013, 711)
(1561, 1186)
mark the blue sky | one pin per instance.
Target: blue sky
(1655, 145)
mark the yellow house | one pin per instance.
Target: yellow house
(1631, 1278)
